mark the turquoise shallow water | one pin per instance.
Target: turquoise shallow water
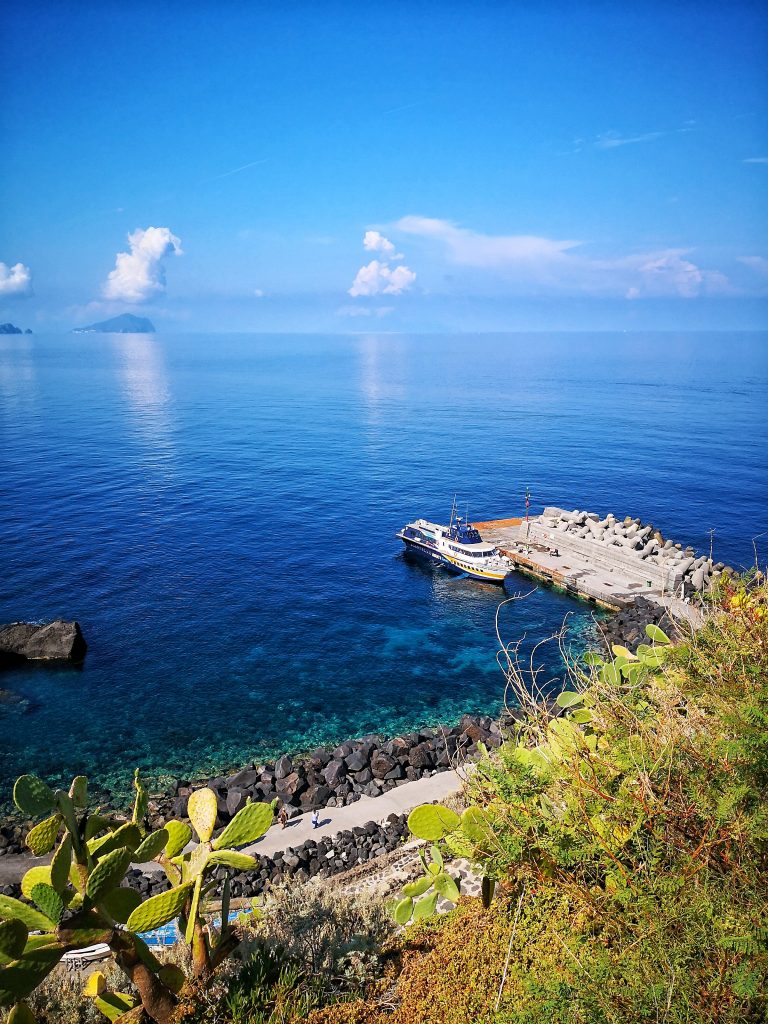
(219, 513)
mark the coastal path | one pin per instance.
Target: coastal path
(400, 800)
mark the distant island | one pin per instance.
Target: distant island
(126, 323)
(12, 329)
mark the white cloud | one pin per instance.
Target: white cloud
(354, 311)
(533, 264)
(663, 271)
(15, 280)
(757, 263)
(379, 278)
(471, 248)
(375, 242)
(611, 140)
(756, 160)
(139, 275)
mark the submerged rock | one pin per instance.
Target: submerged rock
(52, 641)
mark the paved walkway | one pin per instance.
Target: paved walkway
(399, 800)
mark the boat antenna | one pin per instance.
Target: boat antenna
(453, 511)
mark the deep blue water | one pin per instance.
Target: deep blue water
(219, 514)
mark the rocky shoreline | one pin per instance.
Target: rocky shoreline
(627, 627)
(325, 778)
(335, 777)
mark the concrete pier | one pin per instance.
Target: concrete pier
(608, 562)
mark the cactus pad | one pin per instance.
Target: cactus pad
(425, 907)
(179, 835)
(32, 796)
(22, 976)
(232, 859)
(172, 976)
(249, 824)
(39, 873)
(84, 929)
(21, 1014)
(159, 910)
(48, 900)
(33, 919)
(60, 865)
(569, 699)
(78, 791)
(403, 911)
(114, 1004)
(120, 903)
(95, 986)
(432, 821)
(42, 838)
(108, 873)
(417, 888)
(127, 835)
(202, 810)
(446, 887)
(657, 635)
(152, 846)
(13, 939)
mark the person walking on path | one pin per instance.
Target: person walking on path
(315, 818)
(283, 816)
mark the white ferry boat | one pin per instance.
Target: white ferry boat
(458, 546)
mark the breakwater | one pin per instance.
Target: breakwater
(606, 560)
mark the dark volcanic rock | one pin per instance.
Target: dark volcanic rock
(245, 779)
(316, 797)
(236, 799)
(422, 756)
(381, 764)
(319, 758)
(356, 761)
(291, 786)
(25, 641)
(283, 767)
(335, 773)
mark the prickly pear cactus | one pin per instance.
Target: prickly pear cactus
(79, 899)
(467, 836)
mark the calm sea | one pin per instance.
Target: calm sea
(219, 514)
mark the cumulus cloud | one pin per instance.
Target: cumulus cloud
(533, 263)
(380, 277)
(15, 280)
(375, 242)
(139, 275)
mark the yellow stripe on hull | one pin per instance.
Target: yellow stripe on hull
(481, 574)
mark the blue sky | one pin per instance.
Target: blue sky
(403, 166)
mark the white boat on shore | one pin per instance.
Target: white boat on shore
(458, 546)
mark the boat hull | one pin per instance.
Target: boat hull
(424, 551)
(486, 575)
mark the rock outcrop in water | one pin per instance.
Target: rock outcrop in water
(52, 641)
